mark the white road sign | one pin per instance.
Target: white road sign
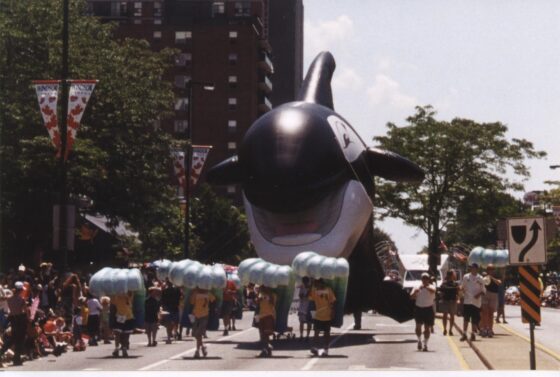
(526, 241)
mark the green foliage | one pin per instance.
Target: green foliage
(120, 160)
(221, 228)
(463, 160)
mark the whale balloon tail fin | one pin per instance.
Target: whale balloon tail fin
(227, 172)
(394, 302)
(316, 87)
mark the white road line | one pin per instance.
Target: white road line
(182, 354)
(311, 363)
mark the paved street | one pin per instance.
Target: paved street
(382, 344)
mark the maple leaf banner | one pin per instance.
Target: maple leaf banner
(179, 167)
(78, 97)
(199, 154)
(47, 96)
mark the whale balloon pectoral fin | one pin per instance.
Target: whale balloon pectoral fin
(392, 166)
(227, 172)
(394, 302)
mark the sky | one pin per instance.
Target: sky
(478, 59)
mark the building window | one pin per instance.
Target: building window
(157, 9)
(157, 21)
(232, 103)
(232, 80)
(232, 126)
(119, 9)
(182, 36)
(232, 34)
(231, 189)
(180, 125)
(181, 103)
(218, 7)
(157, 34)
(232, 57)
(183, 59)
(242, 8)
(232, 145)
(137, 9)
(181, 80)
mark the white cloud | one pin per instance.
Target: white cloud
(386, 91)
(325, 35)
(347, 79)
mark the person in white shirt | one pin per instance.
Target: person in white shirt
(93, 322)
(472, 288)
(424, 295)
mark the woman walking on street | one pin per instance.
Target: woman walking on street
(450, 292)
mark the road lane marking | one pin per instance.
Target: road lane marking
(314, 360)
(363, 367)
(455, 349)
(537, 345)
(179, 356)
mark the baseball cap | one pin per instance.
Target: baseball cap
(21, 268)
(18, 285)
(425, 275)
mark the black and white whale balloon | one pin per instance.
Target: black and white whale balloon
(307, 180)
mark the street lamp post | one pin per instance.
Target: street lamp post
(188, 156)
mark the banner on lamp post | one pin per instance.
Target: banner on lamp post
(78, 97)
(199, 154)
(179, 168)
(47, 96)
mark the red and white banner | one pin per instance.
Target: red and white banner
(47, 95)
(179, 167)
(200, 152)
(78, 97)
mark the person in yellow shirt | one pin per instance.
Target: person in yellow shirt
(266, 303)
(123, 322)
(324, 299)
(200, 299)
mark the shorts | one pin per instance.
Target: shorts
(304, 317)
(492, 301)
(170, 318)
(93, 325)
(471, 314)
(151, 327)
(199, 326)
(127, 327)
(321, 325)
(449, 307)
(266, 325)
(424, 316)
(227, 308)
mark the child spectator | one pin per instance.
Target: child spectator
(77, 341)
(104, 319)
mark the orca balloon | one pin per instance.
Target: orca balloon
(307, 180)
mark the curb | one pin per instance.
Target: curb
(482, 358)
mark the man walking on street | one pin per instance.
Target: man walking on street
(200, 299)
(19, 318)
(424, 295)
(324, 299)
(472, 288)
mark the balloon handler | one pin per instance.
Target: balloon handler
(200, 300)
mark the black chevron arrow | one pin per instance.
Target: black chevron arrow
(535, 228)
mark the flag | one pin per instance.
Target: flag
(459, 256)
(199, 154)
(78, 97)
(47, 95)
(179, 167)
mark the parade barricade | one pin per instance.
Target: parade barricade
(279, 278)
(117, 281)
(334, 271)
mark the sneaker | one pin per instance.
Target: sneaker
(263, 353)
(106, 342)
(116, 353)
(425, 348)
(226, 332)
(444, 332)
(233, 328)
(204, 351)
(473, 337)
(463, 338)
(325, 353)
(504, 321)
(179, 337)
(124, 352)
(168, 341)
(450, 332)
(419, 346)
(154, 344)
(490, 334)
(197, 355)
(357, 327)
(314, 351)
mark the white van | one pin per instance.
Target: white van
(412, 266)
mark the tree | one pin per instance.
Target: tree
(221, 228)
(121, 160)
(460, 158)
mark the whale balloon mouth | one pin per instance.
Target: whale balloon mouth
(304, 226)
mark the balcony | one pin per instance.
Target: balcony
(264, 105)
(265, 84)
(266, 64)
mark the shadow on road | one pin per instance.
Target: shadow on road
(115, 358)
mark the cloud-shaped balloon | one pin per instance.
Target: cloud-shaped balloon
(111, 281)
(483, 257)
(317, 266)
(259, 271)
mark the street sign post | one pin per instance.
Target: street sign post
(527, 249)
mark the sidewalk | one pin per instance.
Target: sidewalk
(507, 350)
